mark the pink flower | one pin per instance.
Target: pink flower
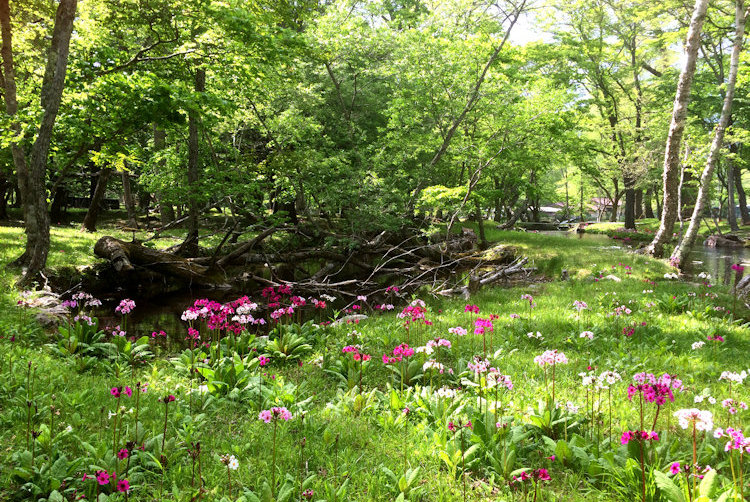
(115, 391)
(542, 475)
(275, 413)
(102, 477)
(122, 454)
(263, 360)
(674, 468)
(128, 391)
(123, 485)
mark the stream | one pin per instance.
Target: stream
(163, 313)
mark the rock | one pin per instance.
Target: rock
(611, 277)
(723, 241)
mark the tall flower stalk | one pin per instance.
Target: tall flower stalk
(274, 415)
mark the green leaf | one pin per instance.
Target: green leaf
(668, 487)
(708, 485)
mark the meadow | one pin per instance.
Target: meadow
(622, 383)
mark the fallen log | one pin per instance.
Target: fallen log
(127, 257)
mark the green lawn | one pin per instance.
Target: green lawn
(358, 447)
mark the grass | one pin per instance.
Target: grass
(351, 441)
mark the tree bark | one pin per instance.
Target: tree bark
(89, 221)
(166, 211)
(190, 246)
(731, 216)
(638, 204)
(629, 201)
(742, 199)
(127, 195)
(671, 174)
(648, 210)
(32, 177)
(688, 240)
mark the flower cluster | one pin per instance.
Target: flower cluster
(550, 357)
(702, 419)
(536, 475)
(628, 436)
(399, 353)
(654, 390)
(230, 461)
(731, 405)
(482, 326)
(458, 331)
(529, 299)
(733, 376)
(737, 440)
(354, 350)
(125, 307)
(275, 413)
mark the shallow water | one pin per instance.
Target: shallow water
(715, 261)
(163, 313)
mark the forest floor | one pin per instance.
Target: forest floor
(402, 437)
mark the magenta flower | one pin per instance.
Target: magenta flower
(674, 468)
(122, 454)
(263, 360)
(102, 477)
(542, 475)
(123, 485)
(275, 413)
(125, 306)
(128, 391)
(115, 391)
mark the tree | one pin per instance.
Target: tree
(32, 169)
(671, 174)
(684, 246)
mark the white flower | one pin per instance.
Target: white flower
(733, 376)
(609, 377)
(432, 364)
(699, 398)
(233, 463)
(446, 392)
(697, 345)
(703, 419)
(587, 334)
(362, 298)
(671, 276)
(536, 335)
(711, 399)
(69, 428)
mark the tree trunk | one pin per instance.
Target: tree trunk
(58, 203)
(731, 215)
(687, 241)
(11, 107)
(671, 174)
(638, 204)
(53, 83)
(89, 221)
(480, 224)
(127, 195)
(166, 211)
(4, 191)
(742, 199)
(629, 201)
(648, 210)
(190, 246)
